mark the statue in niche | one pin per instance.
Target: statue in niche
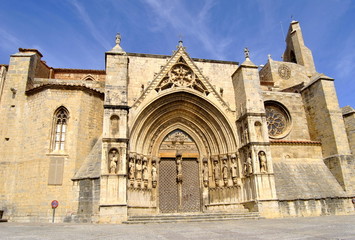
(216, 172)
(234, 168)
(154, 174)
(241, 134)
(131, 169)
(205, 173)
(246, 134)
(139, 171)
(248, 167)
(113, 162)
(179, 167)
(225, 171)
(258, 130)
(262, 161)
(145, 172)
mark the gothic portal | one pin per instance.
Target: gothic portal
(179, 180)
(171, 134)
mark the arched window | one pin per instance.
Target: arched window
(293, 57)
(115, 122)
(60, 121)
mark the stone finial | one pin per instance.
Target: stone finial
(117, 48)
(269, 56)
(246, 53)
(180, 43)
(118, 39)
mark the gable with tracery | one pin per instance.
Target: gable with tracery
(181, 75)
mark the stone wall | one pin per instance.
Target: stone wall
(294, 104)
(349, 121)
(89, 198)
(26, 153)
(78, 74)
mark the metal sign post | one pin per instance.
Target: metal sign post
(54, 205)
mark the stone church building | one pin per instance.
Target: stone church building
(156, 134)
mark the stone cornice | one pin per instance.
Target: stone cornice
(126, 140)
(68, 86)
(250, 114)
(295, 142)
(109, 106)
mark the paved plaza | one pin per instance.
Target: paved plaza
(326, 227)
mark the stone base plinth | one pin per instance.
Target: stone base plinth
(113, 213)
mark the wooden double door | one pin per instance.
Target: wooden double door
(179, 194)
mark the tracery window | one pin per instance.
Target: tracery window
(60, 120)
(278, 119)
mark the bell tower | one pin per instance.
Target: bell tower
(296, 51)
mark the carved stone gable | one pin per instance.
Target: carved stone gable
(181, 75)
(180, 72)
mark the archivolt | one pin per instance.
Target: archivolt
(210, 129)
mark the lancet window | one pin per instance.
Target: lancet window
(60, 120)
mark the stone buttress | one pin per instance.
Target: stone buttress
(258, 176)
(113, 203)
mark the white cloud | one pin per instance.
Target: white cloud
(173, 14)
(90, 25)
(346, 59)
(8, 41)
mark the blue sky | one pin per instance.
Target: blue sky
(76, 33)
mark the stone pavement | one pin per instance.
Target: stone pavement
(326, 227)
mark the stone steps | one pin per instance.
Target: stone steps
(196, 217)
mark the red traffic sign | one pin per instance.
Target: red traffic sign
(54, 204)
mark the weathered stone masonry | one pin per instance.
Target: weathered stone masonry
(158, 134)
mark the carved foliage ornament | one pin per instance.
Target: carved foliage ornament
(181, 75)
(284, 71)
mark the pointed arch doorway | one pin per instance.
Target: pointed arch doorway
(179, 179)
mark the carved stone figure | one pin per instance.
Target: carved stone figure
(234, 169)
(145, 172)
(113, 166)
(258, 131)
(205, 173)
(118, 38)
(249, 165)
(179, 167)
(154, 175)
(225, 171)
(216, 172)
(113, 163)
(139, 171)
(262, 160)
(131, 168)
(246, 52)
(246, 134)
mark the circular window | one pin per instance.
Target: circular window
(284, 71)
(278, 119)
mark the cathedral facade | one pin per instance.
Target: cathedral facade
(155, 134)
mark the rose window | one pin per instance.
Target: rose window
(278, 120)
